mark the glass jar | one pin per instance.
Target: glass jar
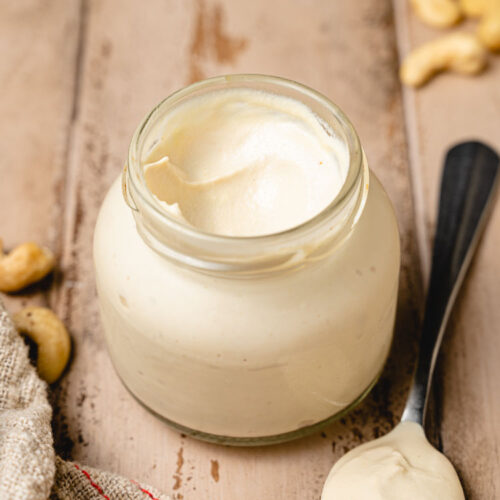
(248, 340)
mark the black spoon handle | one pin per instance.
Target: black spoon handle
(467, 187)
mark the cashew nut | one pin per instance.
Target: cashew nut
(437, 13)
(460, 52)
(45, 329)
(25, 265)
(489, 27)
(475, 8)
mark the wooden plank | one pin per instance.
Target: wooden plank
(38, 43)
(450, 109)
(133, 57)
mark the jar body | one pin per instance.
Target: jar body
(252, 360)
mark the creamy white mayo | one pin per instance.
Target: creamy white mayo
(260, 356)
(402, 465)
(245, 163)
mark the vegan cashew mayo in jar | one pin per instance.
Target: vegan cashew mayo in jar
(247, 262)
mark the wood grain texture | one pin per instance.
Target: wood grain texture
(132, 58)
(450, 109)
(38, 44)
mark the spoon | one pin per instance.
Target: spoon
(403, 464)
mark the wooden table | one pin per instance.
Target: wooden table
(76, 77)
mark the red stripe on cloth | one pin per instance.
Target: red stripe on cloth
(148, 493)
(94, 485)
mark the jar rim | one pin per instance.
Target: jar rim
(135, 174)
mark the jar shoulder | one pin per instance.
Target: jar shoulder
(375, 235)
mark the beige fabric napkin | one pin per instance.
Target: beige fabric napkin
(29, 468)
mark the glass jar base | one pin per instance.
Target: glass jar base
(258, 440)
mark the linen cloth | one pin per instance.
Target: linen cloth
(29, 467)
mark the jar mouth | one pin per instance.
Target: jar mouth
(136, 172)
(193, 248)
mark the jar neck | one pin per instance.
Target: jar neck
(247, 256)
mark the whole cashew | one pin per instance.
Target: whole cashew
(489, 27)
(475, 8)
(45, 329)
(437, 13)
(25, 265)
(460, 52)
